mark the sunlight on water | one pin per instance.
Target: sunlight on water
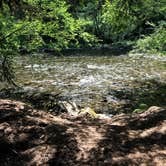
(89, 80)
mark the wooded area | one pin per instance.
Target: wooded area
(61, 24)
(36, 25)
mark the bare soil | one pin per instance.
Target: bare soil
(33, 137)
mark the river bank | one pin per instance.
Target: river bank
(34, 137)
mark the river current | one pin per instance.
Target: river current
(104, 83)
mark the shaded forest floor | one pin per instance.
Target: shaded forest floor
(34, 137)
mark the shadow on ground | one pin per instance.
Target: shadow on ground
(34, 137)
(133, 140)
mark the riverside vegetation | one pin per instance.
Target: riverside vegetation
(27, 26)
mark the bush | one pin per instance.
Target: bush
(155, 43)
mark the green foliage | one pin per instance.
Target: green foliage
(138, 110)
(154, 43)
(61, 24)
(128, 19)
(141, 108)
(52, 26)
(116, 23)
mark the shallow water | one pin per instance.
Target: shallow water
(95, 81)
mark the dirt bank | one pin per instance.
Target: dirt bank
(34, 137)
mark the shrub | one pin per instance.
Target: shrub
(154, 43)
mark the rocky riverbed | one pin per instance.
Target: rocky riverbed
(109, 84)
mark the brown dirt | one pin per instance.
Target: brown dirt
(34, 137)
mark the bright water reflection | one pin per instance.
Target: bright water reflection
(89, 80)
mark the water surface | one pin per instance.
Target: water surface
(105, 83)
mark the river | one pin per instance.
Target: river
(104, 83)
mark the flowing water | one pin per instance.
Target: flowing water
(105, 83)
